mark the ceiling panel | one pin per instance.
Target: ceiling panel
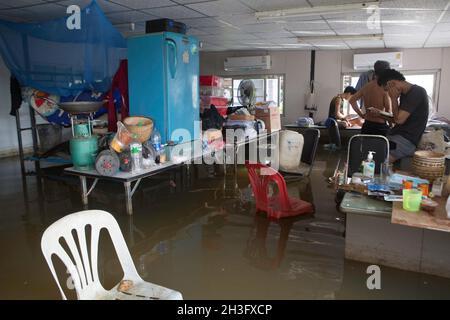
(316, 3)
(281, 41)
(446, 17)
(442, 27)
(360, 44)
(220, 7)
(273, 35)
(262, 27)
(220, 30)
(19, 3)
(44, 12)
(129, 16)
(406, 28)
(196, 32)
(430, 16)
(238, 19)
(307, 25)
(201, 22)
(145, 4)
(174, 12)
(268, 5)
(414, 4)
(107, 6)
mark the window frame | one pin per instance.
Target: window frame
(265, 77)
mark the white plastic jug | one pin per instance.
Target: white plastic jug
(291, 147)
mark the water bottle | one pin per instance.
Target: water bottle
(156, 142)
(136, 156)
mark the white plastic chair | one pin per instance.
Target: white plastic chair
(84, 271)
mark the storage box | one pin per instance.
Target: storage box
(213, 81)
(241, 117)
(211, 91)
(161, 25)
(270, 117)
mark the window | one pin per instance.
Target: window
(268, 88)
(427, 80)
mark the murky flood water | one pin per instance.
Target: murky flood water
(197, 238)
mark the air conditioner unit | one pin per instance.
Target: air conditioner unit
(247, 63)
(366, 61)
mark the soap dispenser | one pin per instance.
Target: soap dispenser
(369, 166)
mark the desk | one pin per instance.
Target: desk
(412, 241)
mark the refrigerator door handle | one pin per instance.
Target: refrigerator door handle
(172, 56)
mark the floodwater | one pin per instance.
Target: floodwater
(197, 238)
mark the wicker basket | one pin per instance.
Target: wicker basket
(140, 126)
(428, 165)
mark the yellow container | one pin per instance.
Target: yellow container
(412, 199)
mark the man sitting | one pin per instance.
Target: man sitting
(337, 106)
(410, 117)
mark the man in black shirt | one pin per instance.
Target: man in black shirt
(410, 116)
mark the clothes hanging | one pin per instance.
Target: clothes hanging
(118, 94)
(16, 95)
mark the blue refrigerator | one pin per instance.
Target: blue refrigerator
(163, 72)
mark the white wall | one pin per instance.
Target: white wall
(329, 68)
(294, 64)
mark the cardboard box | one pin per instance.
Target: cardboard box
(241, 117)
(270, 117)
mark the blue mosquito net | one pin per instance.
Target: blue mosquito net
(50, 57)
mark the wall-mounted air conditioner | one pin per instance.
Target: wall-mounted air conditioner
(247, 63)
(367, 60)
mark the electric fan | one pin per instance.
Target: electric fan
(247, 94)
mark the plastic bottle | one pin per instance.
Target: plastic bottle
(156, 142)
(136, 156)
(369, 166)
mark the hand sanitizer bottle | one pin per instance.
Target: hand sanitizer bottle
(369, 166)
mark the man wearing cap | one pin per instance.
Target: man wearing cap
(373, 96)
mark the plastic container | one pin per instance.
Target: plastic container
(291, 147)
(211, 91)
(210, 80)
(412, 199)
(156, 143)
(136, 156)
(122, 139)
(369, 166)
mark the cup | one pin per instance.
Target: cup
(412, 199)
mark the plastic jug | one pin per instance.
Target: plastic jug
(291, 147)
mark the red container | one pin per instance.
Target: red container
(213, 81)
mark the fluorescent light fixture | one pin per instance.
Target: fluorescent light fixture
(309, 39)
(312, 11)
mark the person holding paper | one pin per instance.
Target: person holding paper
(410, 116)
(373, 97)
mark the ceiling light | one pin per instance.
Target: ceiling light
(311, 11)
(342, 38)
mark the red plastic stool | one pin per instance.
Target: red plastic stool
(280, 205)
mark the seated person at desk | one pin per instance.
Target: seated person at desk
(410, 116)
(337, 106)
(373, 96)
